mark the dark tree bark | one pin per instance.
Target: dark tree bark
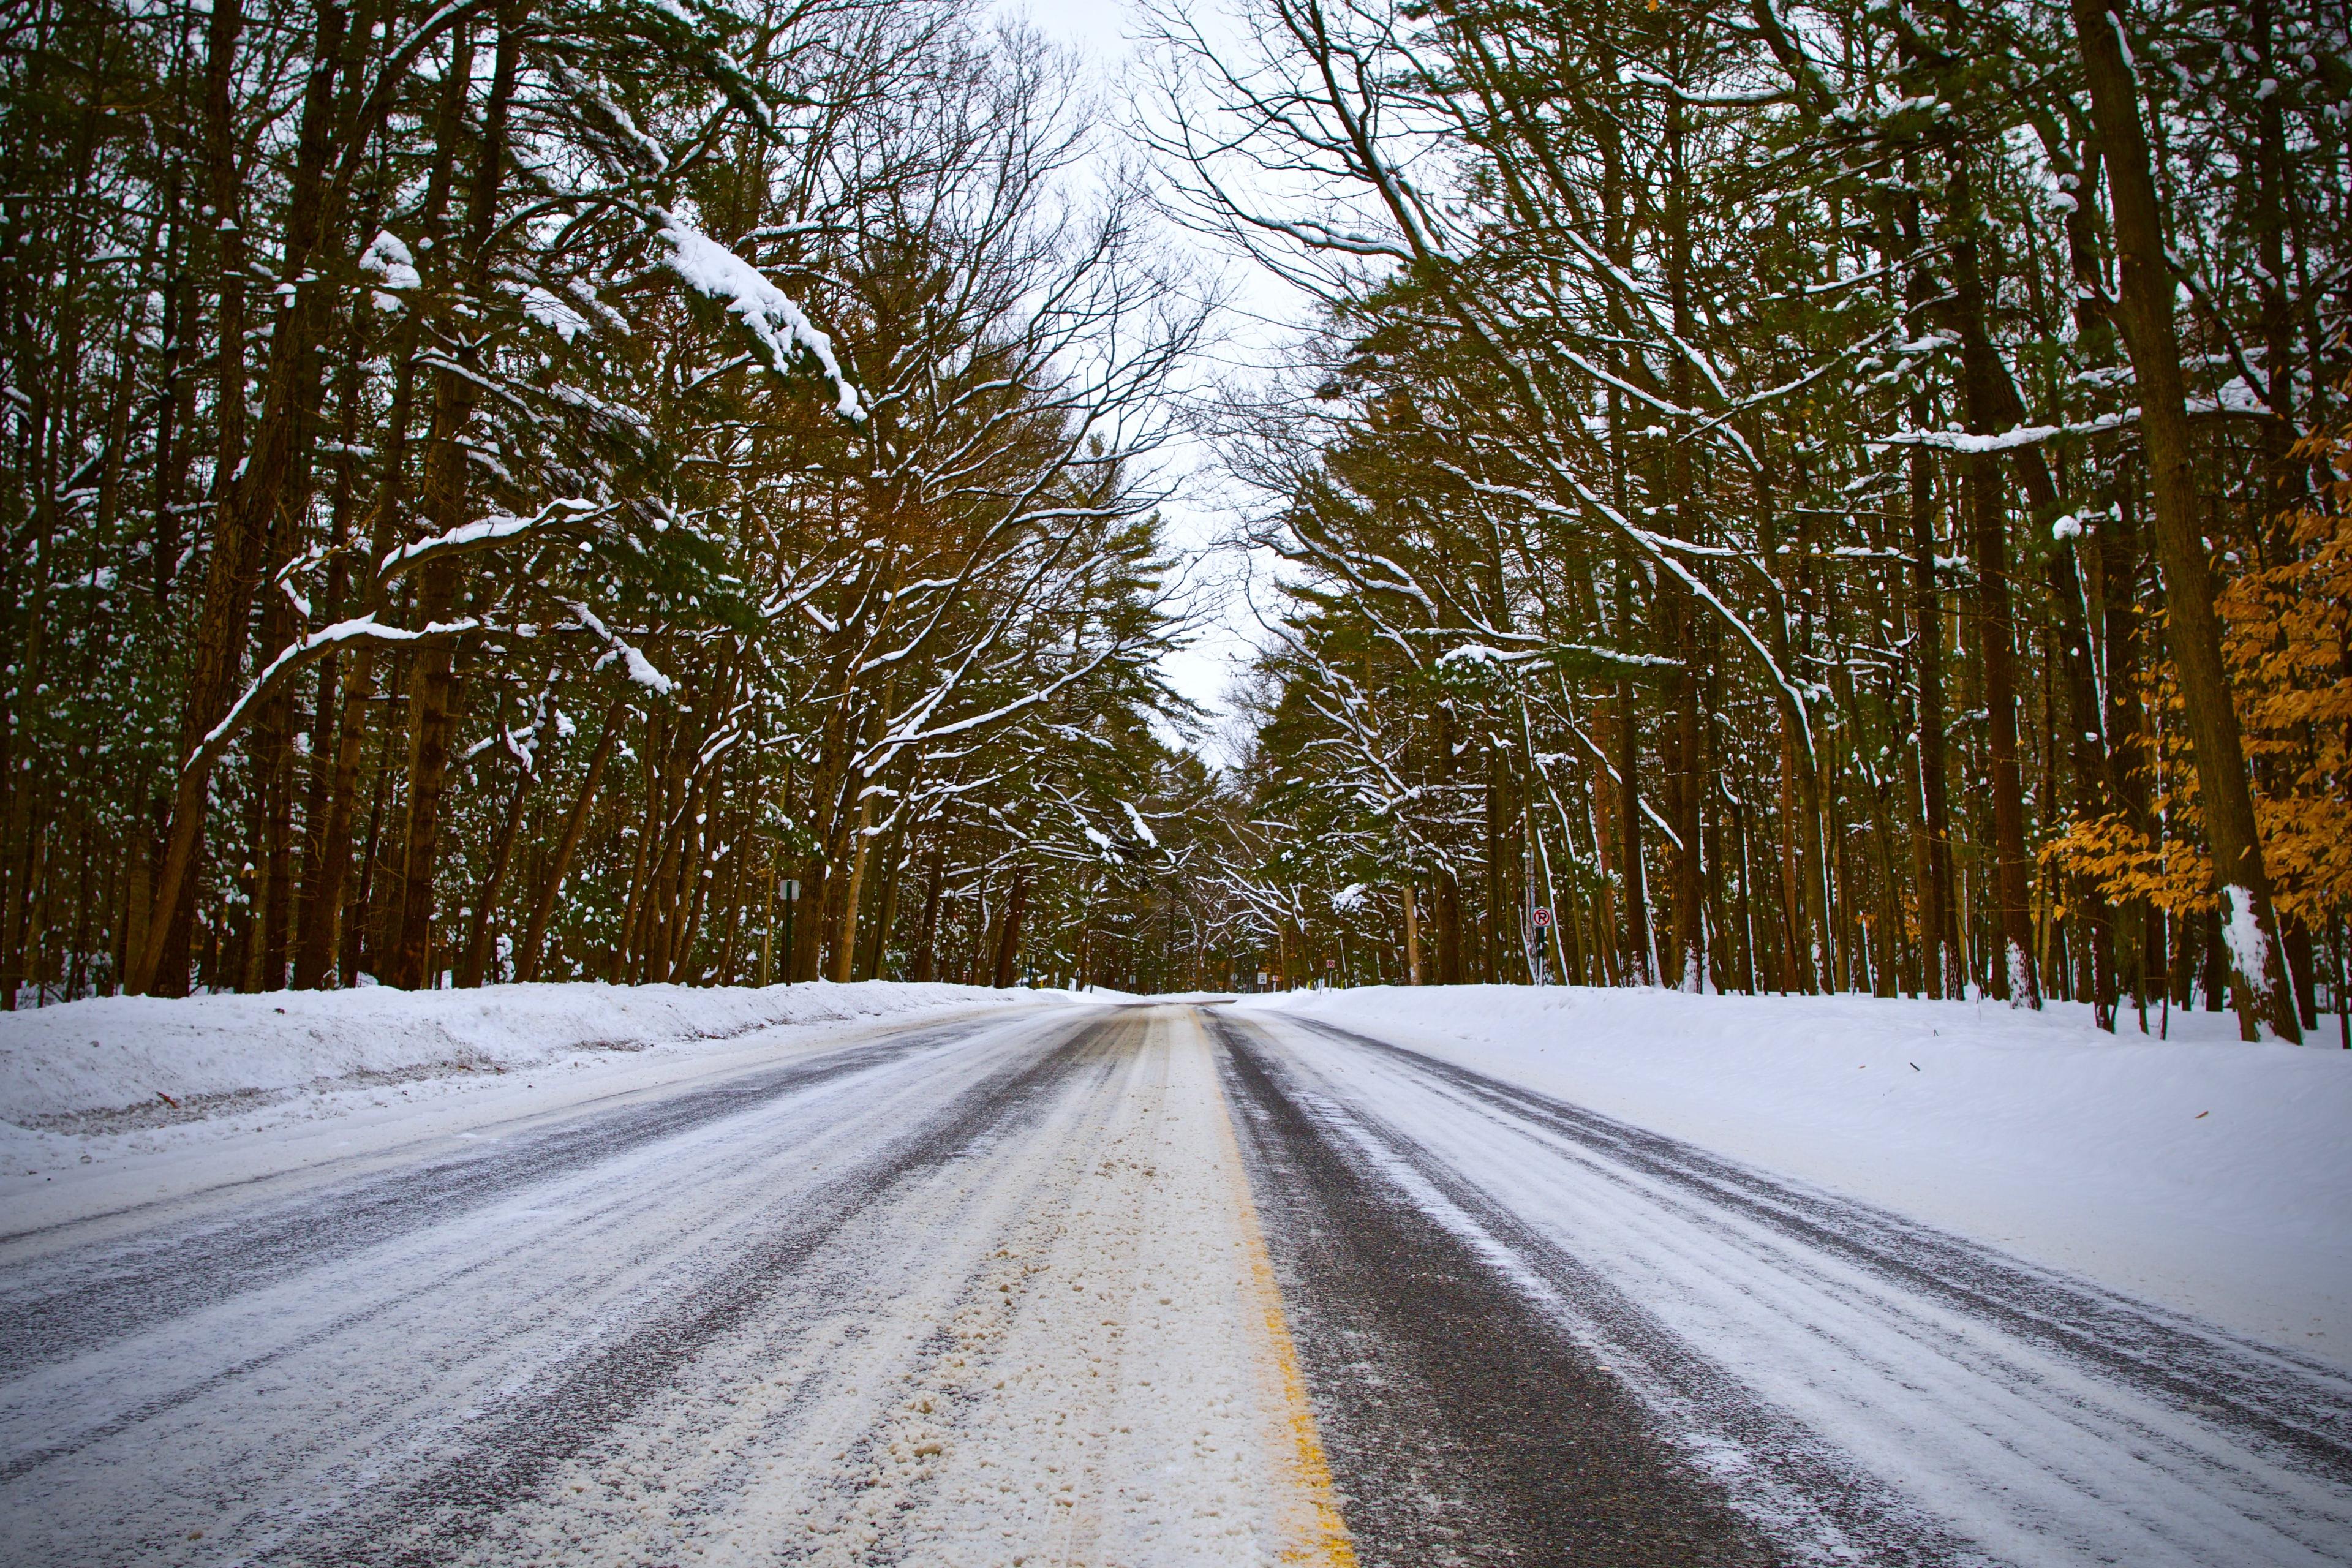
(432, 683)
(1687, 870)
(576, 825)
(2014, 975)
(1008, 934)
(1638, 969)
(934, 883)
(475, 961)
(1939, 944)
(2144, 309)
(218, 651)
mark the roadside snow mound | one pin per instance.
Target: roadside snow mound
(94, 1065)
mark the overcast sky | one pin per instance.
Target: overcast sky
(1104, 32)
(1097, 25)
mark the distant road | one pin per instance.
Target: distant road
(1113, 1286)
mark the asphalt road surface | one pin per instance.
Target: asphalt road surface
(1112, 1286)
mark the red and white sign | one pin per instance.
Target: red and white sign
(1542, 918)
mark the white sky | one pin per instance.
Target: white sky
(1098, 26)
(1103, 31)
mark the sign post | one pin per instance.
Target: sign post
(791, 893)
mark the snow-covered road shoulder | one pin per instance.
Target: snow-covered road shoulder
(122, 1075)
(2211, 1177)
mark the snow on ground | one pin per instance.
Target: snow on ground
(120, 1078)
(1137, 1411)
(991, 1293)
(88, 1063)
(1864, 1386)
(2200, 1172)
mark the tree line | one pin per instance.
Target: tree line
(1823, 499)
(641, 490)
(1842, 498)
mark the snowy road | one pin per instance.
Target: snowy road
(1110, 1286)
(1522, 1284)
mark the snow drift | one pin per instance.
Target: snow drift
(107, 1063)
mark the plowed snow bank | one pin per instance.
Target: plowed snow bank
(100, 1064)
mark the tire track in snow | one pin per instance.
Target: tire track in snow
(2047, 1419)
(502, 1456)
(1327, 1538)
(2268, 1394)
(1051, 1351)
(990, 1303)
(69, 1301)
(1104, 1390)
(1461, 1424)
(346, 1419)
(948, 1400)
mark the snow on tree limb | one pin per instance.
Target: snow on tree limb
(487, 533)
(2006, 441)
(294, 657)
(639, 668)
(773, 318)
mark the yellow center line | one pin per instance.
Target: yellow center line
(1325, 1538)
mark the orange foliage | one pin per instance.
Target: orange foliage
(2124, 863)
(2287, 640)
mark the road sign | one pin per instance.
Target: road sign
(1543, 920)
(791, 890)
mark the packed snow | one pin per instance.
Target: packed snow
(1862, 1386)
(967, 1274)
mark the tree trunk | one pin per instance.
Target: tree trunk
(432, 703)
(1638, 968)
(1008, 934)
(808, 929)
(575, 826)
(1450, 966)
(1938, 951)
(1688, 865)
(1686, 871)
(887, 912)
(1411, 936)
(361, 928)
(2144, 306)
(251, 490)
(2013, 977)
(733, 900)
(845, 957)
(1502, 856)
(477, 957)
(433, 684)
(934, 882)
(1802, 953)
(218, 651)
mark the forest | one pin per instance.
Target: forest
(1759, 497)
